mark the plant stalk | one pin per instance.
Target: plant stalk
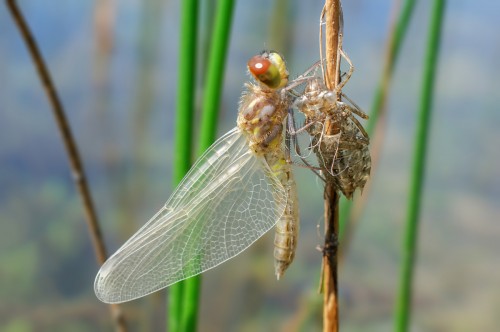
(215, 73)
(409, 250)
(332, 12)
(190, 292)
(183, 149)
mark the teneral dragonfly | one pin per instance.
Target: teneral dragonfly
(235, 192)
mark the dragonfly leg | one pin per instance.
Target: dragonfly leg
(355, 108)
(349, 73)
(291, 139)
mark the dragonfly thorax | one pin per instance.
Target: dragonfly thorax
(261, 115)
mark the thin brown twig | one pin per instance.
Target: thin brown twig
(70, 145)
(332, 12)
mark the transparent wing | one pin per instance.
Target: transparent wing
(226, 202)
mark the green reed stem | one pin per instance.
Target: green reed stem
(184, 132)
(206, 32)
(215, 73)
(213, 85)
(402, 316)
(382, 91)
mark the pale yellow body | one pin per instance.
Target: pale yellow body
(261, 115)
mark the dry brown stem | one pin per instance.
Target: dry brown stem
(330, 294)
(332, 29)
(332, 12)
(70, 145)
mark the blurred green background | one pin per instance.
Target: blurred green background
(115, 67)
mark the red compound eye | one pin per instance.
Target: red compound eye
(258, 65)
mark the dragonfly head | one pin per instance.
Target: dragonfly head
(269, 69)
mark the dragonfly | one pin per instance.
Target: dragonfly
(239, 189)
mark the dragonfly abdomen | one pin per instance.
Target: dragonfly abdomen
(287, 228)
